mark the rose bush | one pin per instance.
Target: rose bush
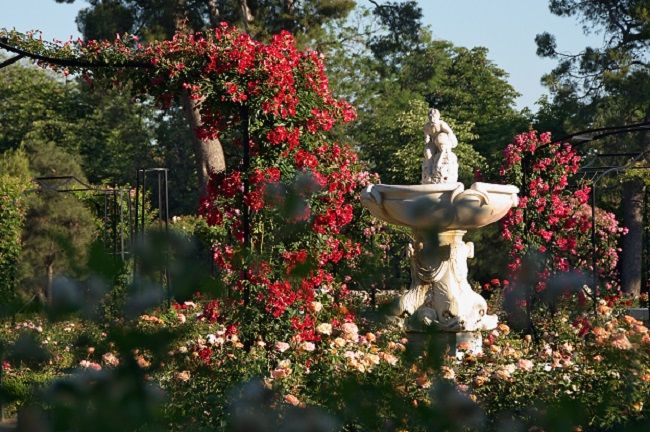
(553, 218)
(588, 373)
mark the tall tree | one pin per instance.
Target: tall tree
(608, 85)
(161, 19)
(28, 95)
(462, 83)
(59, 227)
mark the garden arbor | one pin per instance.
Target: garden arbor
(272, 104)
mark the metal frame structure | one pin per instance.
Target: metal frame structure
(160, 189)
(71, 184)
(600, 172)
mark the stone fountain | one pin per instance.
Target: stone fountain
(439, 212)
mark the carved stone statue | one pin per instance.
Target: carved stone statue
(440, 294)
(440, 164)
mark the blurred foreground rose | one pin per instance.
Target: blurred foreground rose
(292, 400)
(183, 376)
(110, 359)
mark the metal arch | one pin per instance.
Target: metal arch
(599, 174)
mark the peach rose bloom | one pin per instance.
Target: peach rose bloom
(280, 373)
(389, 358)
(448, 373)
(423, 381)
(502, 374)
(292, 400)
(480, 380)
(630, 320)
(183, 376)
(308, 346)
(110, 359)
(620, 341)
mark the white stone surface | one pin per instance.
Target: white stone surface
(439, 212)
(440, 164)
(440, 294)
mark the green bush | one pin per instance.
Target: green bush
(13, 184)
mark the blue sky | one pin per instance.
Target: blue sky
(506, 27)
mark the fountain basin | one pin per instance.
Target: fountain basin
(438, 207)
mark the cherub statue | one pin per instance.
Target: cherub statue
(440, 164)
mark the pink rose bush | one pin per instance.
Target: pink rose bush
(553, 218)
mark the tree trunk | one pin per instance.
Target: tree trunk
(213, 11)
(632, 202)
(50, 279)
(246, 14)
(209, 154)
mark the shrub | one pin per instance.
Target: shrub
(14, 181)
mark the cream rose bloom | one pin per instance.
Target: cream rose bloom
(324, 328)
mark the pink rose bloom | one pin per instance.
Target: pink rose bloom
(525, 365)
(292, 400)
(279, 373)
(620, 341)
(110, 359)
(389, 358)
(281, 346)
(350, 328)
(90, 365)
(308, 346)
(183, 376)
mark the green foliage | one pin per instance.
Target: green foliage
(402, 24)
(14, 181)
(462, 83)
(30, 95)
(104, 131)
(58, 227)
(103, 19)
(604, 85)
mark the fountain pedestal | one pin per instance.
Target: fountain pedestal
(440, 294)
